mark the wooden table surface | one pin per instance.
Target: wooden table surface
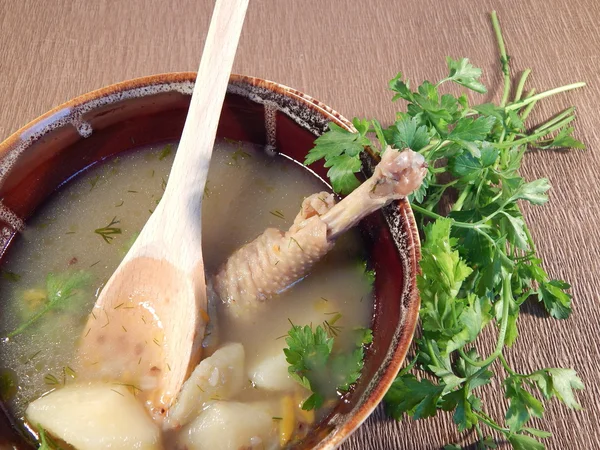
(343, 52)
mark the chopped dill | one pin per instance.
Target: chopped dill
(119, 305)
(10, 276)
(114, 390)
(51, 380)
(108, 232)
(332, 313)
(168, 367)
(323, 298)
(330, 326)
(88, 332)
(165, 152)
(68, 371)
(118, 205)
(233, 141)
(296, 242)
(93, 315)
(277, 418)
(323, 200)
(163, 183)
(152, 175)
(277, 213)
(156, 341)
(276, 263)
(33, 356)
(206, 190)
(124, 329)
(94, 181)
(92, 265)
(238, 155)
(70, 232)
(134, 389)
(131, 191)
(150, 211)
(198, 386)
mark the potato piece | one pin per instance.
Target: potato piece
(271, 373)
(95, 417)
(220, 376)
(232, 426)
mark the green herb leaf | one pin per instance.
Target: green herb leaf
(405, 133)
(408, 395)
(46, 442)
(463, 73)
(342, 172)
(558, 383)
(555, 298)
(524, 442)
(310, 359)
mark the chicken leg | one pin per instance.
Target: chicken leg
(276, 260)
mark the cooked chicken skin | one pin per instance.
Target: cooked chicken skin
(276, 260)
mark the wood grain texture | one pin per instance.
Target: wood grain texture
(343, 52)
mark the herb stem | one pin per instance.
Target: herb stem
(521, 84)
(530, 239)
(461, 199)
(503, 58)
(506, 298)
(535, 136)
(566, 113)
(489, 422)
(541, 95)
(529, 107)
(506, 366)
(30, 322)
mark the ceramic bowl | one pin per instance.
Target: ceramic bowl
(40, 157)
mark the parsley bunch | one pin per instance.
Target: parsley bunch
(315, 365)
(479, 262)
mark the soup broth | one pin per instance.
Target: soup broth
(81, 234)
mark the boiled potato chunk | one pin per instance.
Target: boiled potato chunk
(220, 377)
(95, 417)
(231, 426)
(271, 373)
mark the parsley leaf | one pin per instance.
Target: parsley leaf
(419, 398)
(463, 73)
(314, 365)
(558, 383)
(46, 442)
(341, 149)
(555, 298)
(524, 442)
(406, 133)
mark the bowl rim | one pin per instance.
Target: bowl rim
(405, 329)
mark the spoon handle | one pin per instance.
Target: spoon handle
(190, 167)
(181, 205)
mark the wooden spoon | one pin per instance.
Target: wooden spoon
(148, 323)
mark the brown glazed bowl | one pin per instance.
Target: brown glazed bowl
(36, 160)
